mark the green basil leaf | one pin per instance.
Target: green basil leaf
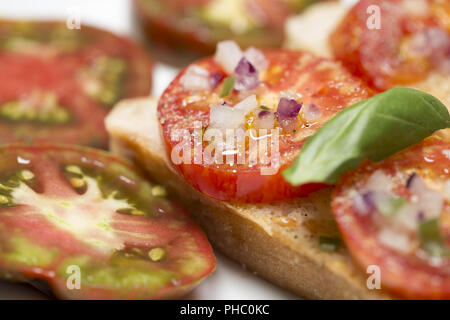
(372, 129)
(228, 85)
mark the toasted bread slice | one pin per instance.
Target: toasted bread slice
(278, 241)
(310, 30)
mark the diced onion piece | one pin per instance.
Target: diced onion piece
(311, 112)
(215, 79)
(247, 105)
(256, 58)
(364, 203)
(264, 119)
(228, 54)
(196, 78)
(288, 109)
(378, 181)
(226, 117)
(430, 201)
(246, 76)
(395, 240)
(408, 217)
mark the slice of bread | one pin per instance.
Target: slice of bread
(278, 241)
(309, 31)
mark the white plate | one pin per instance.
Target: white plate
(230, 280)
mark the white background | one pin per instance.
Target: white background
(230, 280)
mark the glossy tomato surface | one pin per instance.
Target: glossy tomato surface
(57, 84)
(90, 226)
(315, 81)
(394, 42)
(395, 215)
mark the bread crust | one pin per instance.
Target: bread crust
(277, 241)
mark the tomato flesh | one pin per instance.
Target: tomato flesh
(319, 81)
(68, 209)
(406, 268)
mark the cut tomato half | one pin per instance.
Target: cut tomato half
(322, 87)
(88, 224)
(395, 215)
(58, 84)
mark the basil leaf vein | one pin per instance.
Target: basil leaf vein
(372, 129)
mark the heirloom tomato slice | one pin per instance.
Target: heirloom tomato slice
(57, 84)
(92, 227)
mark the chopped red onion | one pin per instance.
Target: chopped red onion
(196, 78)
(246, 76)
(215, 79)
(256, 58)
(228, 54)
(428, 200)
(365, 203)
(263, 113)
(288, 109)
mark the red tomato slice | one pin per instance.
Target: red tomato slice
(317, 81)
(395, 214)
(71, 211)
(57, 84)
(412, 41)
(195, 26)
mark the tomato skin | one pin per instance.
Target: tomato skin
(318, 80)
(248, 187)
(172, 229)
(377, 55)
(405, 275)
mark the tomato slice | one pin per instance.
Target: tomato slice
(69, 211)
(412, 41)
(395, 214)
(318, 82)
(196, 26)
(57, 84)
